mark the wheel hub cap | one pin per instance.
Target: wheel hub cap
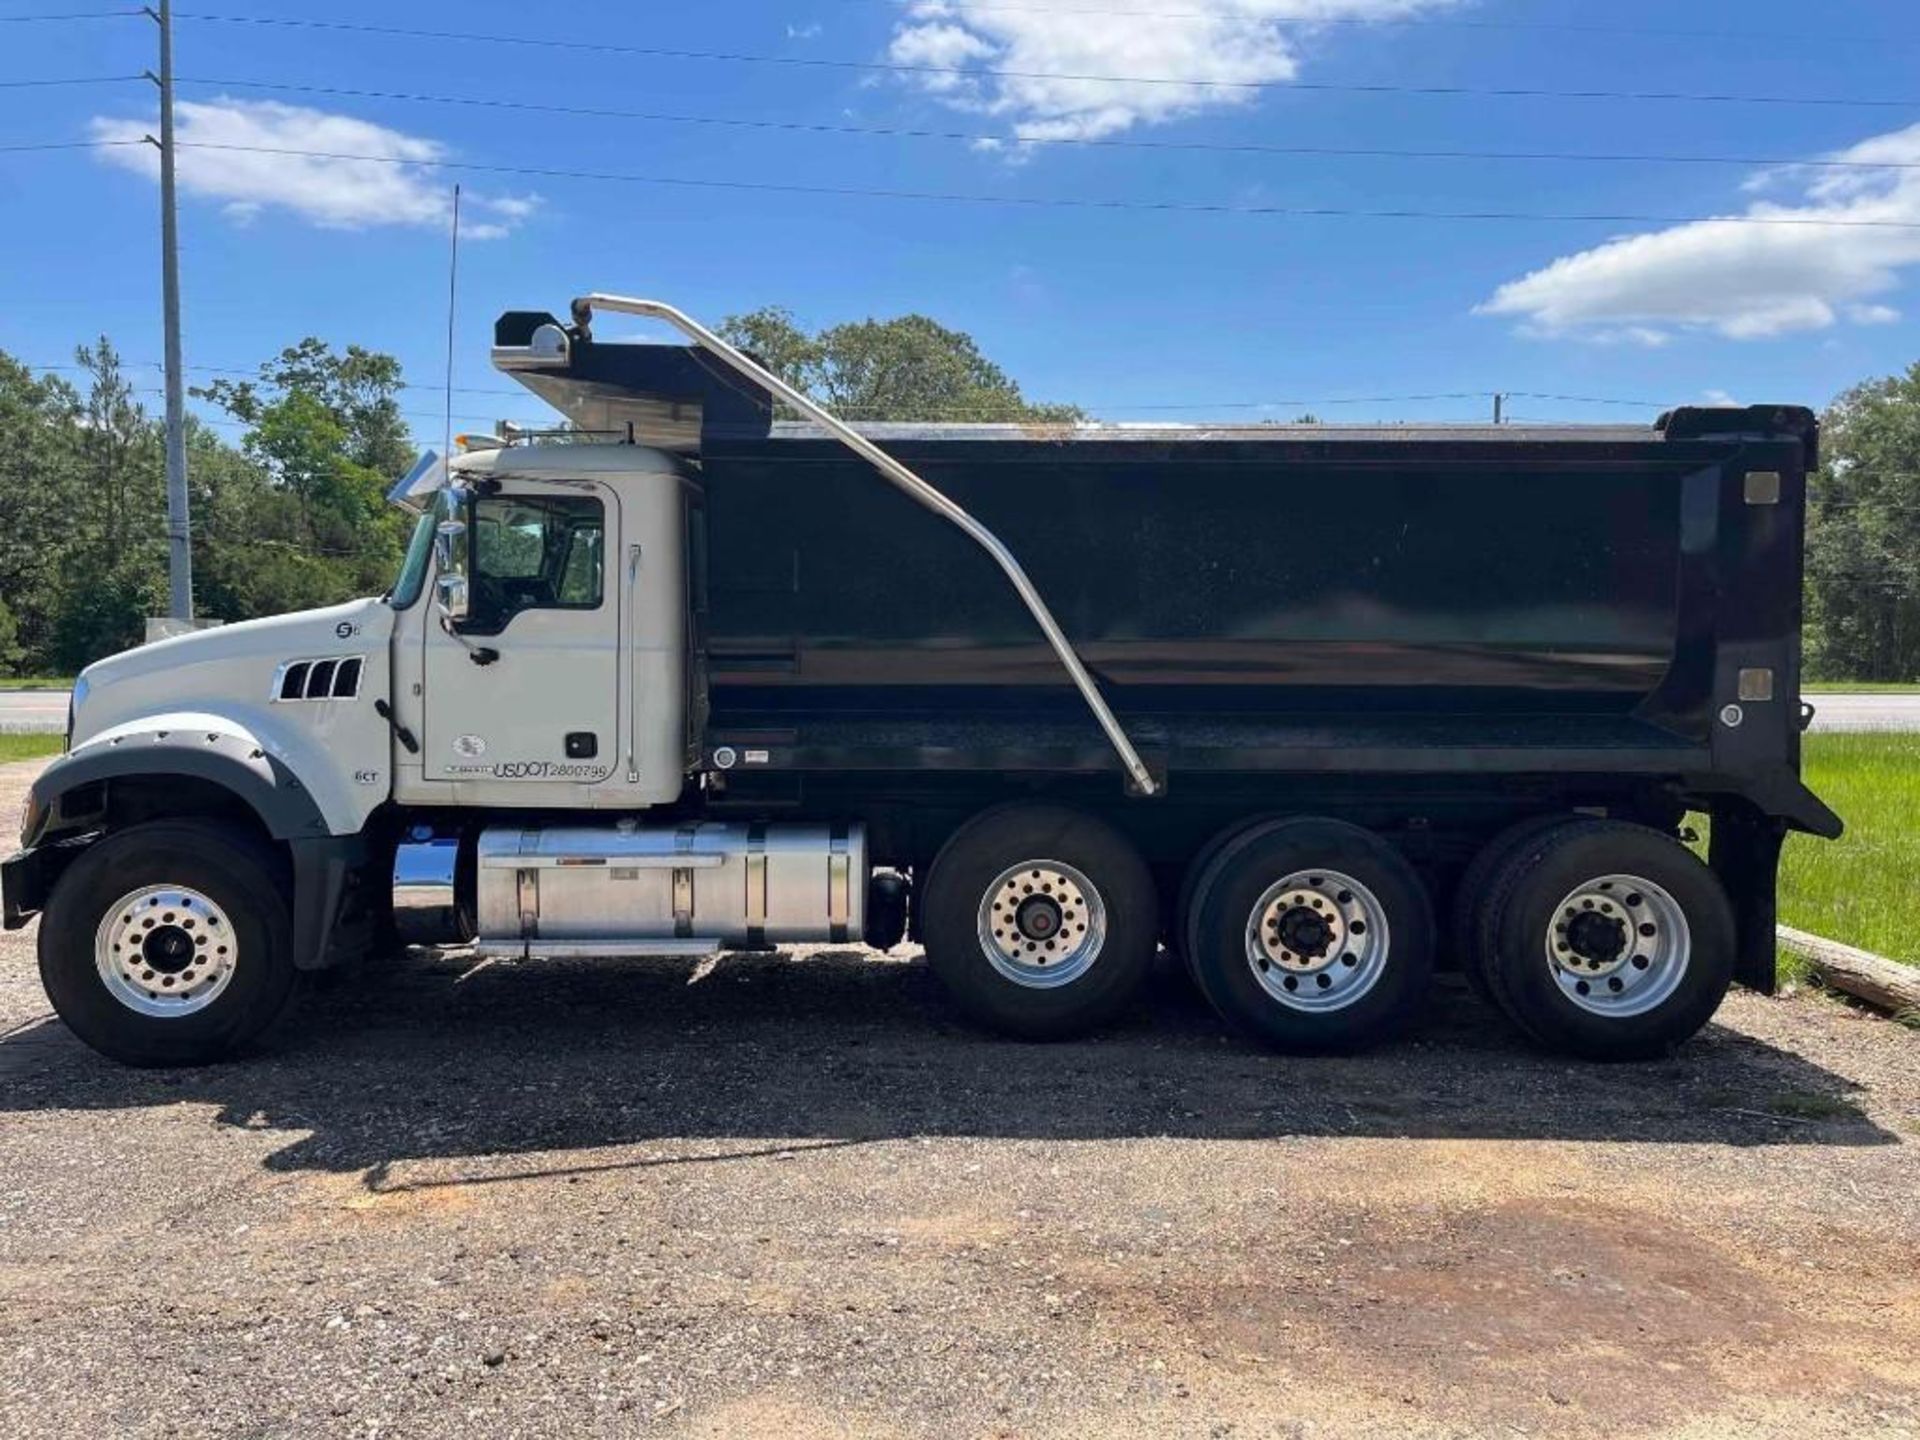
(168, 949)
(1618, 945)
(1038, 918)
(1042, 923)
(1596, 939)
(165, 951)
(1317, 940)
(1306, 933)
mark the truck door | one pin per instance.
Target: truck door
(525, 689)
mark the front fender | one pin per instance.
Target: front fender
(65, 804)
(193, 746)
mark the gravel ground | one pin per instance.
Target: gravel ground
(797, 1196)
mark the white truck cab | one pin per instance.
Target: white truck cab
(540, 631)
(533, 659)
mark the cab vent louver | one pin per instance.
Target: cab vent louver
(332, 679)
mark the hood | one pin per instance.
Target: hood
(227, 670)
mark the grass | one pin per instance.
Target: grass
(36, 682)
(27, 747)
(1860, 888)
(1862, 687)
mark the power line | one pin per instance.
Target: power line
(1309, 20)
(68, 80)
(1274, 404)
(976, 136)
(1590, 400)
(887, 66)
(1305, 20)
(66, 145)
(433, 415)
(546, 172)
(253, 371)
(70, 15)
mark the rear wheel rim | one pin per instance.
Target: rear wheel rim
(165, 951)
(1618, 946)
(1042, 924)
(1317, 941)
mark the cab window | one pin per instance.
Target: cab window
(530, 552)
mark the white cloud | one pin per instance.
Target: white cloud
(1014, 54)
(1744, 281)
(356, 194)
(808, 31)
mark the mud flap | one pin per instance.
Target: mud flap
(1745, 855)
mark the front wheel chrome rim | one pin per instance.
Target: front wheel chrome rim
(166, 951)
(1618, 946)
(1042, 924)
(1317, 940)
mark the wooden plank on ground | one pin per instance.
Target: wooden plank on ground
(1879, 981)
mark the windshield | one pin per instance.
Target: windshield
(413, 569)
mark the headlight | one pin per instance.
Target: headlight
(31, 816)
(74, 697)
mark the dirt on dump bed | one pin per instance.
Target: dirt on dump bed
(797, 1196)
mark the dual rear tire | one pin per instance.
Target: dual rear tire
(1597, 938)
(1308, 935)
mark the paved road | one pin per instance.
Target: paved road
(1865, 712)
(31, 711)
(46, 710)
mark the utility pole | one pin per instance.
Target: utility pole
(179, 530)
(1499, 409)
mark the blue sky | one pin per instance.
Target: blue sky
(1134, 313)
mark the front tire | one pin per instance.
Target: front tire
(1041, 921)
(169, 943)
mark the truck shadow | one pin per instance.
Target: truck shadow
(432, 1057)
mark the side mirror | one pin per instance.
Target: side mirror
(453, 598)
(450, 550)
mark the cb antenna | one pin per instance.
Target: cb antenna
(453, 285)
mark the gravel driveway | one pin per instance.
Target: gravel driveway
(796, 1196)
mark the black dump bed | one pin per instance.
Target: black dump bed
(1618, 600)
(1486, 599)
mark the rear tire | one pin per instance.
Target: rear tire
(169, 943)
(1313, 935)
(1607, 940)
(1041, 921)
(1198, 873)
(1471, 894)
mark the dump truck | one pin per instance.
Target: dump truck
(1320, 711)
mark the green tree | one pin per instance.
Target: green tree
(326, 433)
(360, 390)
(10, 651)
(41, 501)
(112, 570)
(907, 368)
(292, 517)
(1863, 538)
